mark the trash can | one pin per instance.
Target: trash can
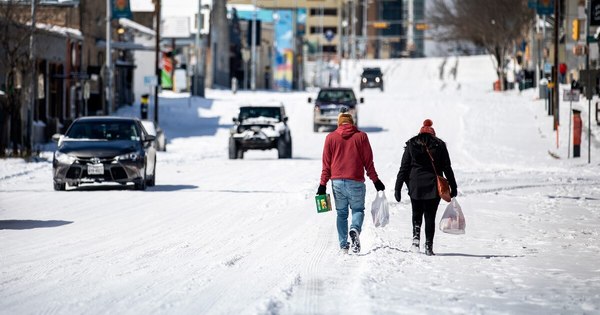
(144, 106)
(543, 88)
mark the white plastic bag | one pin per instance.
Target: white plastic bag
(453, 220)
(380, 211)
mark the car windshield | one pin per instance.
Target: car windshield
(344, 96)
(371, 72)
(255, 112)
(104, 130)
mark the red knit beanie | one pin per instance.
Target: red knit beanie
(427, 127)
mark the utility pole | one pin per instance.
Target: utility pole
(353, 35)
(33, 83)
(109, 79)
(199, 71)
(157, 57)
(587, 68)
(364, 29)
(410, 29)
(253, 50)
(555, 98)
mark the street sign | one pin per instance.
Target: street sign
(542, 7)
(571, 95)
(595, 17)
(150, 80)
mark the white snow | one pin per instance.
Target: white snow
(220, 236)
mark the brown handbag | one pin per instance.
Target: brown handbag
(442, 184)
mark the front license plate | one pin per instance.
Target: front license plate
(96, 169)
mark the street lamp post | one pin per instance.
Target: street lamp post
(108, 71)
(33, 83)
(253, 50)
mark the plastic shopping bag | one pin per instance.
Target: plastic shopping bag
(453, 220)
(380, 211)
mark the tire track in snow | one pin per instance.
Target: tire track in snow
(313, 282)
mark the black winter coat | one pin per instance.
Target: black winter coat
(416, 169)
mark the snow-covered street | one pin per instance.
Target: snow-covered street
(220, 236)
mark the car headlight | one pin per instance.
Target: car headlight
(64, 158)
(364, 80)
(132, 156)
(377, 79)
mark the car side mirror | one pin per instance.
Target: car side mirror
(235, 120)
(362, 100)
(310, 99)
(56, 137)
(285, 119)
(150, 138)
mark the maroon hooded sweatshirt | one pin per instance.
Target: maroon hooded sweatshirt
(346, 155)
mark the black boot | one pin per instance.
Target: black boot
(416, 239)
(429, 248)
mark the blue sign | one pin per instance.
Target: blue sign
(542, 7)
(120, 9)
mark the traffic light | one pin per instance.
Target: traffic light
(575, 29)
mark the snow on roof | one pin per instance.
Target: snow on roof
(137, 27)
(61, 30)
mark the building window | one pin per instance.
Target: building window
(329, 49)
(323, 11)
(317, 29)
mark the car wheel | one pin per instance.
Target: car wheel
(315, 128)
(232, 149)
(141, 183)
(289, 149)
(284, 148)
(60, 187)
(152, 181)
(240, 153)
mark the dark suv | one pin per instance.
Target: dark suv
(328, 105)
(260, 128)
(371, 78)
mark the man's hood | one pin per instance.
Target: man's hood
(346, 130)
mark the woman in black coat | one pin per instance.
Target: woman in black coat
(419, 175)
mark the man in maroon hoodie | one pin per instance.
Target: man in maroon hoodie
(346, 155)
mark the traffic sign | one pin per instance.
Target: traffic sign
(150, 80)
(571, 95)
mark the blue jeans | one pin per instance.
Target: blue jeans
(350, 193)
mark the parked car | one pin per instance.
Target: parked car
(154, 129)
(371, 78)
(104, 149)
(329, 103)
(260, 127)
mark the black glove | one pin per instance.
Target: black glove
(322, 190)
(397, 195)
(379, 185)
(453, 192)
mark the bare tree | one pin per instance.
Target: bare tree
(14, 50)
(494, 25)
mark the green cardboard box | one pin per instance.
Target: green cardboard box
(323, 203)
